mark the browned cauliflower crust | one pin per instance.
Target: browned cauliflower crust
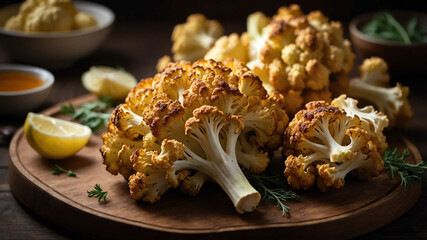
(313, 53)
(190, 121)
(324, 145)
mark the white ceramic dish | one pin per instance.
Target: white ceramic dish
(21, 102)
(57, 49)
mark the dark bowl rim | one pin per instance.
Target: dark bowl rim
(355, 31)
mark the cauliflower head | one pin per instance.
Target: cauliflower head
(303, 56)
(49, 16)
(193, 123)
(193, 39)
(326, 145)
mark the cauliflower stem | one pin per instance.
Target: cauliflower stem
(221, 164)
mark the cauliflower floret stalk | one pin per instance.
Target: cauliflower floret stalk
(391, 101)
(373, 121)
(366, 163)
(328, 145)
(207, 126)
(193, 39)
(372, 87)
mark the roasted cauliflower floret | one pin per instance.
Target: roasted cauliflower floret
(327, 145)
(291, 53)
(296, 52)
(231, 46)
(193, 39)
(149, 182)
(192, 123)
(372, 87)
(373, 121)
(374, 71)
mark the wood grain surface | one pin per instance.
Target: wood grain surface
(63, 200)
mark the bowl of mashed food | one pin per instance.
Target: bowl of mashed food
(53, 33)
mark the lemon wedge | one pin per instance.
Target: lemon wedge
(109, 81)
(55, 138)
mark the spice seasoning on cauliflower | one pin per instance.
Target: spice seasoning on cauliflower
(303, 57)
(325, 145)
(49, 16)
(192, 123)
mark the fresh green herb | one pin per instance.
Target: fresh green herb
(385, 26)
(273, 188)
(97, 192)
(58, 170)
(396, 165)
(95, 114)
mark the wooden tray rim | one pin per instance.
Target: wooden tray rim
(14, 160)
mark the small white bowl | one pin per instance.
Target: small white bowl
(55, 50)
(19, 103)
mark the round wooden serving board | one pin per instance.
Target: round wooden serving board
(359, 207)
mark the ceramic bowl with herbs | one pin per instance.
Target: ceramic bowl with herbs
(399, 37)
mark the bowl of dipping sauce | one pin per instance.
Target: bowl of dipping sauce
(23, 88)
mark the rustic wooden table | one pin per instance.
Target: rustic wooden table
(136, 47)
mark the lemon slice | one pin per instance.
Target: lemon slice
(109, 81)
(55, 138)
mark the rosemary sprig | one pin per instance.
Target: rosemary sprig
(396, 165)
(95, 114)
(97, 192)
(58, 170)
(273, 188)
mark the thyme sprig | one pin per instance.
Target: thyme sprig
(57, 170)
(95, 114)
(273, 188)
(396, 165)
(97, 192)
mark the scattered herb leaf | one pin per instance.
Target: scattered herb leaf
(58, 170)
(97, 192)
(95, 114)
(385, 26)
(273, 188)
(396, 165)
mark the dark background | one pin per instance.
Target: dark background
(178, 10)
